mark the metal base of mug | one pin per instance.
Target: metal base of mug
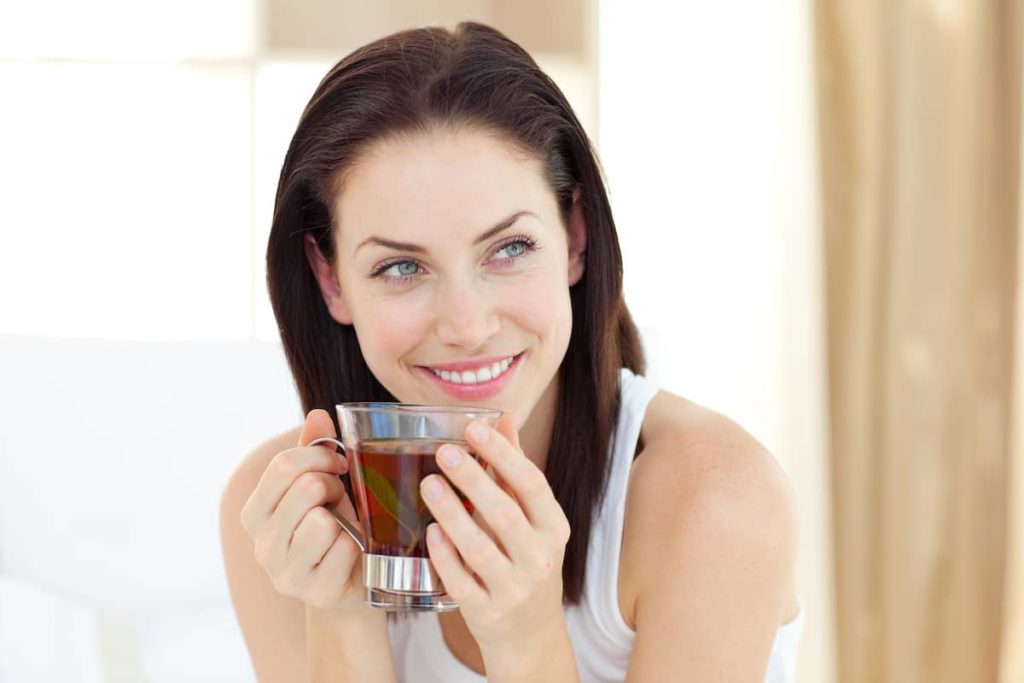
(412, 575)
(403, 584)
(405, 602)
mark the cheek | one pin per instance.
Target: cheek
(390, 331)
(542, 306)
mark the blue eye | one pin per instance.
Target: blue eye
(403, 270)
(514, 249)
(517, 247)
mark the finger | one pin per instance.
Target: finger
(310, 490)
(281, 473)
(459, 583)
(313, 537)
(344, 507)
(339, 571)
(527, 482)
(498, 510)
(477, 549)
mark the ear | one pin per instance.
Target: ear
(327, 279)
(577, 239)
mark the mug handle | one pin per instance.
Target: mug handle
(346, 525)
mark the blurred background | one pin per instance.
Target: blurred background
(819, 207)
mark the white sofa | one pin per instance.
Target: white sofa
(112, 459)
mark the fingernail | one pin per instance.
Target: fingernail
(433, 533)
(431, 488)
(450, 455)
(479, 433)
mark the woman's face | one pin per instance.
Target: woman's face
(454, 267)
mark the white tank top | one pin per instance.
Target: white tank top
(602, 641)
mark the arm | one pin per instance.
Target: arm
(505, 568)
(272, 624)
(720, 517)
(291, 638)
(348, 650)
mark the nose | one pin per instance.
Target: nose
(466, 317)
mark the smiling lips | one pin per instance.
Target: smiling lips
(482, 373)
(473, 380)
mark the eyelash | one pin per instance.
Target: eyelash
(528, 243)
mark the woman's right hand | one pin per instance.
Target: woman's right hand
(298, 542)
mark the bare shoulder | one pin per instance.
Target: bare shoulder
(708, 488)
(273, 625)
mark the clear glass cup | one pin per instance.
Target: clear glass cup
(390, 448)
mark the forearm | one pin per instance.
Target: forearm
(349, 649)
(547, 659)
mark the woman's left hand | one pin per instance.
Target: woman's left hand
(509, 585)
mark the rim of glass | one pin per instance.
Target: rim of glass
(368, 406)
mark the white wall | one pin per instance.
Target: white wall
(707, 135)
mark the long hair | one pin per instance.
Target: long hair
(415, 80)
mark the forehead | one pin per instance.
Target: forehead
(447, 178)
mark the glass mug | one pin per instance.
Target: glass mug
(390, 448)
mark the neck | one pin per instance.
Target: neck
(535, 434)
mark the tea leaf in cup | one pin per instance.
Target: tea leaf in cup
(381, 489)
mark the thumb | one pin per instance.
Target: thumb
(318, 424)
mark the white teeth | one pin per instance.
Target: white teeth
(484, 374)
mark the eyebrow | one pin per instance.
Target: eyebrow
(417, 249)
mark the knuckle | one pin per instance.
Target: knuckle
(505, 518)
(244, 519)
(459, 590)
(313, 485)
(564, 530)
(482, 552)
(534, 482)
(323, 522)
(261, 551)
(285, 464)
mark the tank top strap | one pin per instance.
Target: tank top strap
(600, 604)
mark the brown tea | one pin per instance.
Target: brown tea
(387, 480)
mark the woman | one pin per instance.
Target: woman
(442, 235)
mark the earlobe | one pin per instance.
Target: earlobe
(577, 229)
(327, 281)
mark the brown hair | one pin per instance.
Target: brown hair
(413, 81)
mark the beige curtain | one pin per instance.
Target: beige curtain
(920, 117)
